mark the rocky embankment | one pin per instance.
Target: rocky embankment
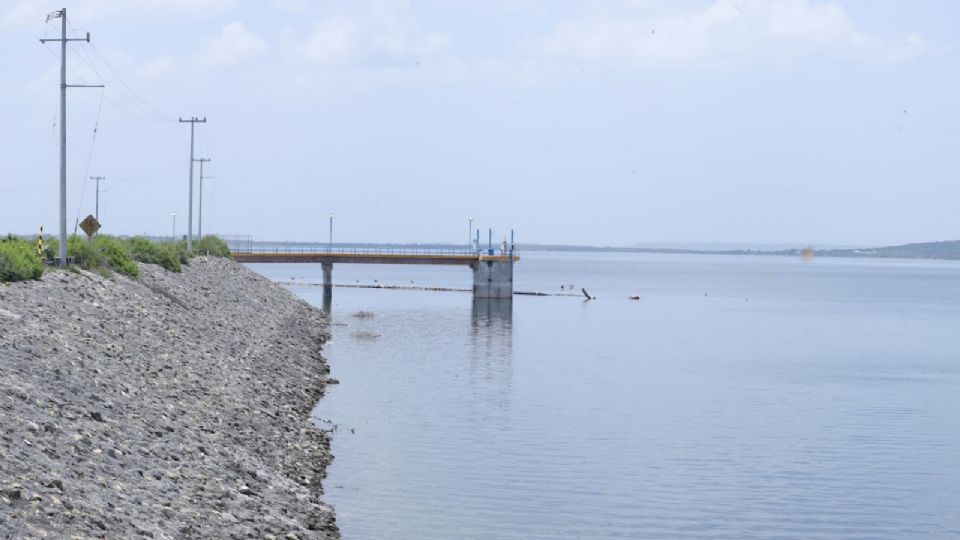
(170, 406)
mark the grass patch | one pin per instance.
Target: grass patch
(19, 260)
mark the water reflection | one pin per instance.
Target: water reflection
(493, 312)
(492, 324)
(491, 355)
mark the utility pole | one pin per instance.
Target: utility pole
(330, 244)
(200, 216)
(63, 39)
(193, 122)
(96, 212)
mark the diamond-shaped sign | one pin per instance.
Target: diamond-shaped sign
(90, 225)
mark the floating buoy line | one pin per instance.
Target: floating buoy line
(291, 283)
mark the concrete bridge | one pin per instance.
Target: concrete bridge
(492, 269)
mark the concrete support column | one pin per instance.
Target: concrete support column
(492, 279)
(327, 279)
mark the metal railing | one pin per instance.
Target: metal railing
(351, 250)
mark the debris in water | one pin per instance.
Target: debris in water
(365, 335)
(585, 293)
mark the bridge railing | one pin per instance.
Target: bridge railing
(347, 250)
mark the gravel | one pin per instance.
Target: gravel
(170, 406)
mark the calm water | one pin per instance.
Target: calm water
(741, 397)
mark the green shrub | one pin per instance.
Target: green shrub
(212, 245)
(51, 249)
(142, 249)
(90, 258)
(116, 255)
(182, 252)
(168, 255)
(19, 260)
(106, 253)
(102, 254)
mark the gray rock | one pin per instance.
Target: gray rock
(138, 400)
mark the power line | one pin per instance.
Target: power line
(143, 113)
(150, 115)
(143, 104)
(146, 104)
(86, 173)
(118, 106)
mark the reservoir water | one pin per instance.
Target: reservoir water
(739, 397)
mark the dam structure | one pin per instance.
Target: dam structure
(492, 269)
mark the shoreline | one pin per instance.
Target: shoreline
(168, 406)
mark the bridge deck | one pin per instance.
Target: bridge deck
(464, 259)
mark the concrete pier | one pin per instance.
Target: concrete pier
(493, 278)
(327, 268)
(492, 272)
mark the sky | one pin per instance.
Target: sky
(606, 122)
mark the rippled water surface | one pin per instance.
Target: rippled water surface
(740, 397)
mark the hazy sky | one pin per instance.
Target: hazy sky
(596, 122)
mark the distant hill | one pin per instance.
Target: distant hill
(949, 249)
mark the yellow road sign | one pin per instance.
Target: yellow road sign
(90, 225)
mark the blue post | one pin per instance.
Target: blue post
(478, 240)
(511, 242)
(490, 243)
